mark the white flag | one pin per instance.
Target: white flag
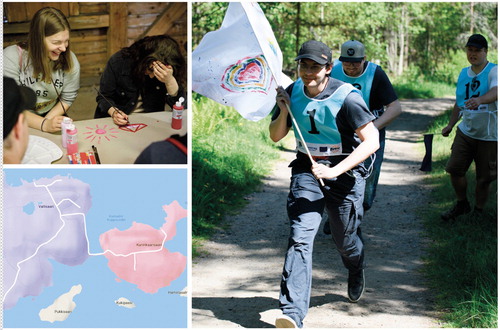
(238, 65)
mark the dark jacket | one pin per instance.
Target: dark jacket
(118, 87)
(170, 151)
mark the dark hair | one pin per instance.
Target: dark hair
(45, 23)
(161, 48)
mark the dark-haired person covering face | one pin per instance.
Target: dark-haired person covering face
(144, 77)
(46, 65)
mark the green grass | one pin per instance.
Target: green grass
(230, 157)
(407, 88)
(461, 263)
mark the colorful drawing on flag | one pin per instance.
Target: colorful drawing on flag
(250, 74)
(99, 133)
(132, 127)
(274, 47)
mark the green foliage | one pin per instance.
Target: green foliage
(283, 20)
(230, 155)
(229, 158)
(206, 17)
(422, 35)
(413, 85)
(438, 36)
(461, 261)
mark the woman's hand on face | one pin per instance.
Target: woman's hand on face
(165, 74)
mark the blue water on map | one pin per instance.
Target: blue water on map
(29, 208)
(130, 195)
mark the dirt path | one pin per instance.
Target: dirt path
(236, 284)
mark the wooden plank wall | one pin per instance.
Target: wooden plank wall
(99, 29)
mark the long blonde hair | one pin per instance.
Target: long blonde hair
(45, 23)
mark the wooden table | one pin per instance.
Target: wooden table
(114, 145)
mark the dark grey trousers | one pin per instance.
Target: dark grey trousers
(343, 200)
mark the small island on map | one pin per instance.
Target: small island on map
(124, 302)
(62, 307)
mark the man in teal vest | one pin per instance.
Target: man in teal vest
(379, 96)
(476, 136)
(339, 135)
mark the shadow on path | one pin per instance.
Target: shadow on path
(237, 280)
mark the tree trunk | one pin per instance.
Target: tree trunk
(391, 51)
(471, 17)
(297, 30)
(402, 29)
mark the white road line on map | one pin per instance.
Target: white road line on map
(67, 199)
(133, 253)
(86, 236)
(46, 185)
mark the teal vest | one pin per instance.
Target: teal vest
(363, 82)
(478, 123)
(317, 120)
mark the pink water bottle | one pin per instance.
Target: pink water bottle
(64, 126)
(71, 139)
(177, 114)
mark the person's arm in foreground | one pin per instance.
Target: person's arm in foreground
(51, 122)
(278, 128)
(370, 143)
(454, 117)
(490, 97)
(392, 111)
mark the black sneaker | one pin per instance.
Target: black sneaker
(460, 208)
(356, 285)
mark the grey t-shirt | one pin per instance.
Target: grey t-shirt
(16, 65)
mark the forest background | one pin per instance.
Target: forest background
(417, 40)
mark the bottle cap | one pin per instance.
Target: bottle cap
(70, 127)
(178, 104)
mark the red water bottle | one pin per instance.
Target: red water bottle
(177, 114)
(71, 139)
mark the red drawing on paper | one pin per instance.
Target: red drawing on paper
(100, 133)
(132, 127)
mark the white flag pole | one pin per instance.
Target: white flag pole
(266, 51)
